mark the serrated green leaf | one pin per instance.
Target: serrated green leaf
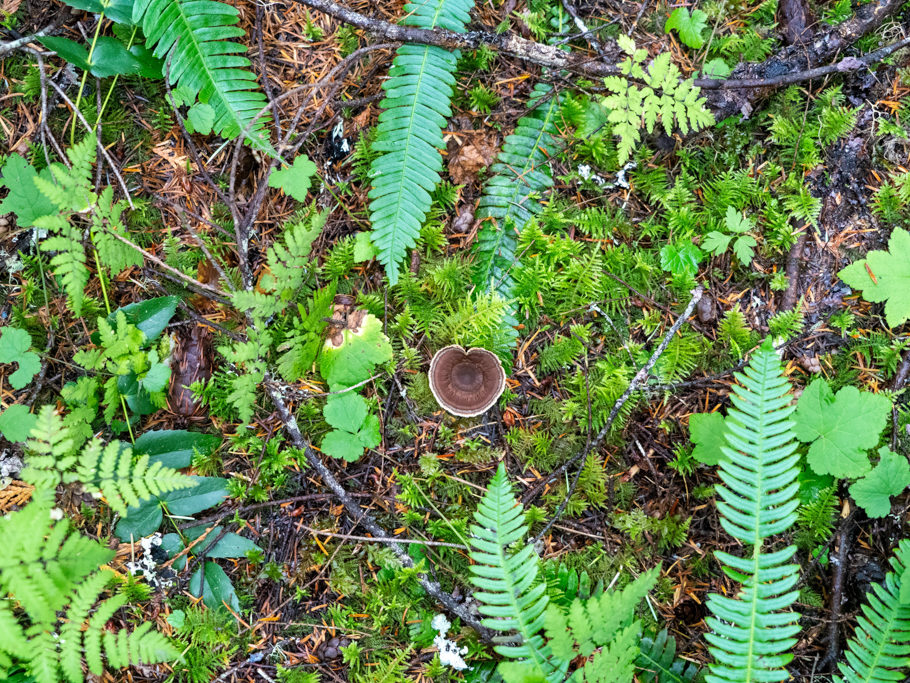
(295, 180)
(840, 428)
(349, 357)
(14, 348)
(716, 68)
(744, 248)
(888, 478)
(16, 423)
(681, 259)
(689, 26)
(363, 248)
(24, 198)
(736, 221)
(201, 118)
(885, 276)
(370, 435)
(706, 431)
(716, 242)
(345, 411)
(342, 444)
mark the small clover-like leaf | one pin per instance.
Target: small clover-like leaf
(689, 26)
(343, 445)
(840, 428)
(706, 431)
(888, 478)
(885, 276)
(736, 222)
(744, 248)
(295, 180)
(345, 411)
(14, 348)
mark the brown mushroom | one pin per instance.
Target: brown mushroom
(466, 382)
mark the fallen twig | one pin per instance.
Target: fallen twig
(358, 513)
(592, 444)
(554, 58)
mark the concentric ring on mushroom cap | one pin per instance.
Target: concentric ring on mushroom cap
(466, 382)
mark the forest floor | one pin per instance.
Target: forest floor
(589, 318)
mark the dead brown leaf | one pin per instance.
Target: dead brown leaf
(466, 163)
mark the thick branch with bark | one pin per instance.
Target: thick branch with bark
(749, 82)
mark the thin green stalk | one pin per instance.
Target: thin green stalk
(110, 91)
(91, 51)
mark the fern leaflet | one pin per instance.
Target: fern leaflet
(193, 39)
(105, 470)
(511, 598)
(880, 648)
(658, 663)
(750, 633)
(508, 202)
(409, 134)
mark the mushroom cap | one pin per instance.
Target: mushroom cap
(466, 382)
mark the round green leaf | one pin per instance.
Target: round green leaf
(16, 423)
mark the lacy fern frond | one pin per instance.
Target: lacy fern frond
(105, 470)
(666, 97)
(55, 577)
(604, 621)
(751, 633)
(41, 560)
(508, 202)
(880, 648)
(409, 134)
(110, 471)
(512, 600)
(288, 265)
(70, 192)
(50, 447)
(193, 39)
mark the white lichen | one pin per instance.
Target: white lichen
(449, 652)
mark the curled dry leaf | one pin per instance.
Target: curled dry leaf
(192, 362)
(466, 163)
